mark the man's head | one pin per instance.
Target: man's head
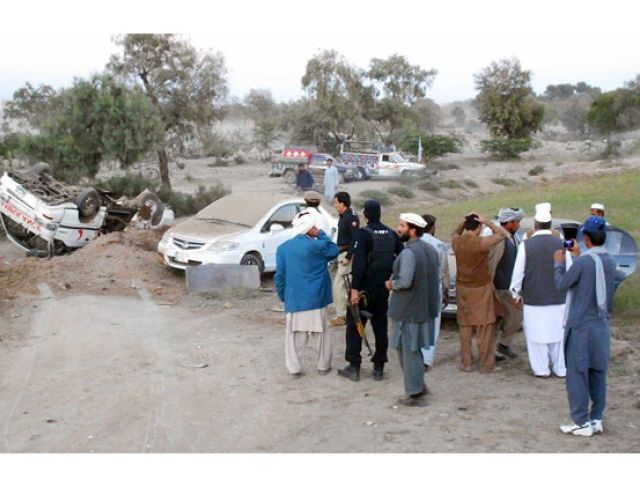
(341, 202)
(312, 199)
(431, 223)
(304, 223)
(302, 167)
(510, 219)
(411, 226)
(542, 218)
(594, 231)
(472, 224)
(372, 211)
(329, 162)
(597, 210)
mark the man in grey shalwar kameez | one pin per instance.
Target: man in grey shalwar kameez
(590, 284)
(414, 304)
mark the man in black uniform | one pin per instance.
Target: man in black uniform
(347, 226)
(375, 249)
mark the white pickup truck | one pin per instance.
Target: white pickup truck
(44, 217)
(373, 161)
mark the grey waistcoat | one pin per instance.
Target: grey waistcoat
(504, 270)
(538, 286)
(421, 302)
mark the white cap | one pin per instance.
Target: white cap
(543, 213)
(413, 219)
(597, 206)
(304, 221)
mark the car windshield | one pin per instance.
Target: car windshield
(243, 209)
(398, 158)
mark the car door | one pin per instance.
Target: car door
(272, 239)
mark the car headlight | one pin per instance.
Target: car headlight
(223, 246)
(165, 239)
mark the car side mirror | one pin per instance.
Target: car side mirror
(276, 227)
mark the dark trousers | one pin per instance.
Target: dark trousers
(378, 302)
(582, 386)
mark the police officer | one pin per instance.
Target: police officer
(375, 249)
(347, 226)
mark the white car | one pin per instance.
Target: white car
(241, 228)
(44, 217)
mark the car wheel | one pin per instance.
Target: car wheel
(88, 203)
(360, 174)
(253, 259)
(150, 207)
(290, 176)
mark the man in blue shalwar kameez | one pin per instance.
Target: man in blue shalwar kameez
(590, 284)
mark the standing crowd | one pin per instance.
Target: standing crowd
(505, 281)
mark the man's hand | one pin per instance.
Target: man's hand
(388, 284)
(518, 302)
(314, 232)
(558, 256)
(482, 220)
(355, 296)
(345, 261)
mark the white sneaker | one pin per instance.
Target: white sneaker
(585, 430)
(596, 425)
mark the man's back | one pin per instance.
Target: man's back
(374, 252)
(538, 287)
(472, 261)
(584, 306)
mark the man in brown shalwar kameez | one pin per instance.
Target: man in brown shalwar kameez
(475, 292)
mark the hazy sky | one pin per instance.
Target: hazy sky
(267, 44)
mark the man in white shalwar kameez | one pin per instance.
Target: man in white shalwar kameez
(331, 180)
(532, 286)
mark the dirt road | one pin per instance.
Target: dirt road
(86, 373)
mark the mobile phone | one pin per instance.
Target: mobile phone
(568, 244)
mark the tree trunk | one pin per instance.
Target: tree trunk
(163, 163)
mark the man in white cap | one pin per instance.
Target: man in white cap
(312, 200)
(414, 305)
(303, 283)
(501, 262)
(532, 285)
(597, 210)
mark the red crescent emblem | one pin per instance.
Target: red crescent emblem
(80, 233)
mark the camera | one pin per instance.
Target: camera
(568, 244)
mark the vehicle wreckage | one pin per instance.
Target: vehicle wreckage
(45, 217)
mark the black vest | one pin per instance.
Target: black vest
(538, 286)
(504, 270)
(381, 256)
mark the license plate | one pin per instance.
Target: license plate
(182, 257)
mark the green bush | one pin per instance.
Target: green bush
(377, 195)
(450, 183)
(537, 170)
(612, 149)
(129, 185)
(187, 204)
(218, 146)
(470, 183)
(429, 186)
(401, 191)
(506, 148)
(181, 203)
(441, 165)
(506, 182)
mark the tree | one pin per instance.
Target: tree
(569, 104)
(397, 86)
(616, 111)
(337, 95)
(459, 115)
(31, 106)
(94, 120)
(262, 110)
(506, 102)
(187, 86)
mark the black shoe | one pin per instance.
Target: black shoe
(351, 371)
(413, 401)
(500, 358)
(506, 351)
(378, 373)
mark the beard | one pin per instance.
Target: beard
(404, 238)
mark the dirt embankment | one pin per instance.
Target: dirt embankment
(106, 266)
